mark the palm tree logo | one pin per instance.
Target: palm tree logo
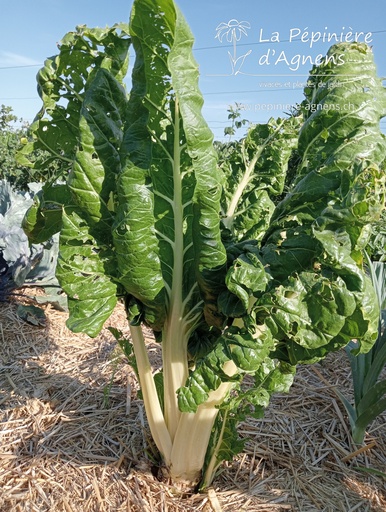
(233, 32)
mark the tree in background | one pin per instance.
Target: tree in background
(16, 170)
(10, 142)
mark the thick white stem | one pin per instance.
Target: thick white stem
(174, 338)
(193, 434)
(175, 369)
(190, 445)
(153, 409)
(247, 177)
(230, 215)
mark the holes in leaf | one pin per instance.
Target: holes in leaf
(289, 294)
(317, 267)
(122, 229)
(165, 47)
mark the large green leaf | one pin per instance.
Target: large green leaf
(62, 84)
(183, 176)
(255, 170)
(84, 271)
(97, 160)
(343, 106)
(86, 240)
(82, 209)
(323, 224)
(245, 348)
(246, 279)
(134, 233)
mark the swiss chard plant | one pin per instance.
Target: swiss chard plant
(236, 289)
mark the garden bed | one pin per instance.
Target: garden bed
(74, 437)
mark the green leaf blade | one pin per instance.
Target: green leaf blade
(85, 271)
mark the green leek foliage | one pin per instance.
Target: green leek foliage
(366, 369)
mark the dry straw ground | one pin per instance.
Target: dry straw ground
(73, 435)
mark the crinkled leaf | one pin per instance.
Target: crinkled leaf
(133, 231)
(322, 225)
(97, 160)
(185, 182)
(62, 84)
(255, 171)
(85, 272)
(87, 262)
(44, 217)
(246, 277)
(246, 349)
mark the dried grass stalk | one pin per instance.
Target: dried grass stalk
(73, 435)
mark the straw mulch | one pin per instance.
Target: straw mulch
(74, 438)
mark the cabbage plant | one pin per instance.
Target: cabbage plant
(236, 290)
(22, 264)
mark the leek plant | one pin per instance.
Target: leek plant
(369, 389)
